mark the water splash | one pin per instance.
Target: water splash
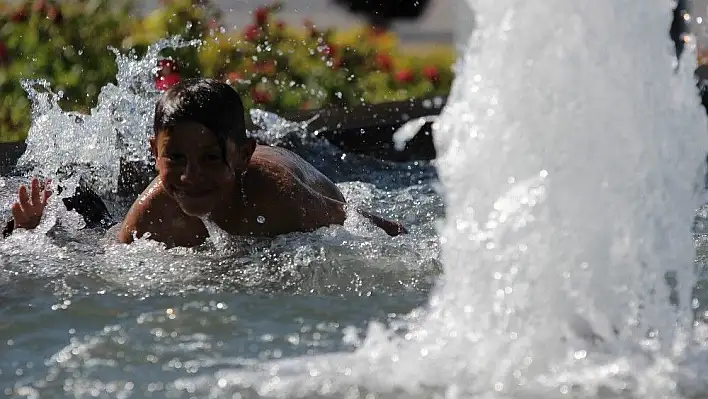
(116, 131)
(586, 153)
(409, 130)
(275, 130)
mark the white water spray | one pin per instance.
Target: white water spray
(116, 130)
(571, 155)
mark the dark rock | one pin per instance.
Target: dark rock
(382, 13)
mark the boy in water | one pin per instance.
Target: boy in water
(207, 167)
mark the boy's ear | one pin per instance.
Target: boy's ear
(240, 155)
(249, 148)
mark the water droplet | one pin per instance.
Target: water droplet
(260, 219)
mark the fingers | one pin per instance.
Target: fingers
(47, 191)
(22, 219)
(17, 213)
(27, 211)
(47, 194)
(24, 196)
(38, 193)
(35, 192)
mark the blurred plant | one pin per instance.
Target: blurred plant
(274, 66)
(280, 67)
(67, 45)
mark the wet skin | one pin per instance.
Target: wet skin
(256, 191)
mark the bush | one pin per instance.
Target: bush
(275, 66)
(65, 45)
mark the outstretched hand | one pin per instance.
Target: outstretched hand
(28, 210)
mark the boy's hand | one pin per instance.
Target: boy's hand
(28, 211)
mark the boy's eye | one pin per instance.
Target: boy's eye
(212, 157)
(175, 157)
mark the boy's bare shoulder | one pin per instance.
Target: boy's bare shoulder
(157, 213)
(151, 200)
(139, 215)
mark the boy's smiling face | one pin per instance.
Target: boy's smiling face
(191, 165)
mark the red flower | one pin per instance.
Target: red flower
(404, 76)
(431, 73)
(328, 50)
(166, 67)
(252, 33)
(39, 6)
(260, 96)
(20, 15)
(4, 54)
(163, 83)
(261, 16)
(54, 14)
(233, 78)
(166, 74)
(383, 62)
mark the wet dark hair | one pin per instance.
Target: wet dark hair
(208, 102)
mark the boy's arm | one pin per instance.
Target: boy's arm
(326, 211)
(312, 210)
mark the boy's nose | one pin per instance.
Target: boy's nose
(191, 172)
